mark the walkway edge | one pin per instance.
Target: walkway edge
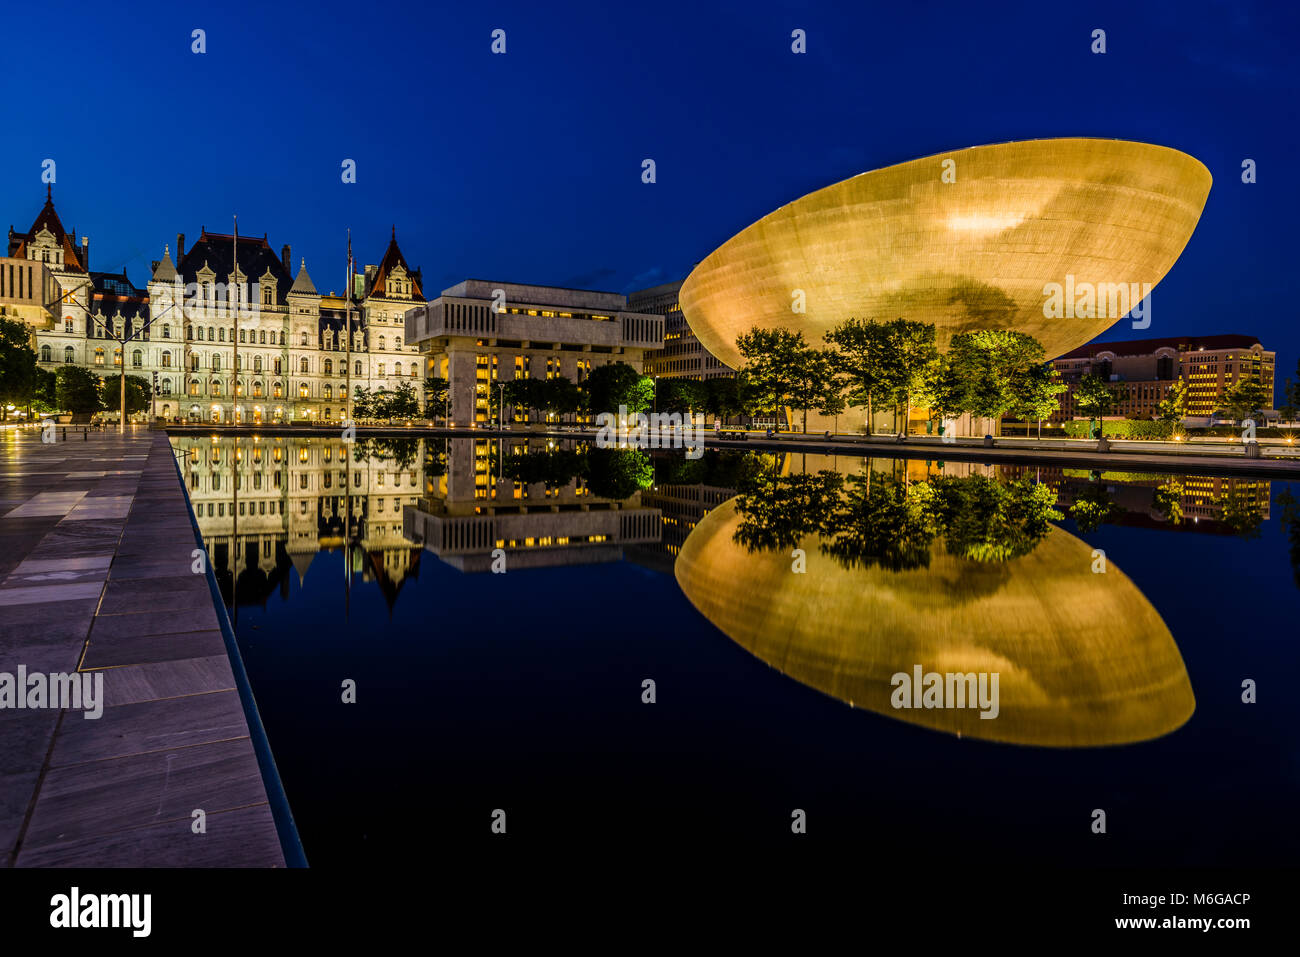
(286, 829)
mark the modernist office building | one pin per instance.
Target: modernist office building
(682, 357)
(479, 333)
(1144, 369)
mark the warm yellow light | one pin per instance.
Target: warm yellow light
(984, 222)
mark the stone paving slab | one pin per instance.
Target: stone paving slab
(96, 548)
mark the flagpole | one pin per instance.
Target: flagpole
(231, 293)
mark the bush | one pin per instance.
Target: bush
(1126, 429)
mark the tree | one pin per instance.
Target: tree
(786, 372)
(943, 389)
(859, 348)
(76, 390)
(436, 396)
(1173, 407)
(1094, 396)
(561, 396)
(618, 384)
(726, 396)
(1167, 499)
(1244, 398)
(403, 402)
(18, 379)
(682, 395)
(363, 403)
(910, 355)
(44, 394)
(1093, 507)
(994, 366)
(1036, 395)
(139, 393)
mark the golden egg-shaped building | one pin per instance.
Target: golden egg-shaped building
(965, 240)
(1082, 659)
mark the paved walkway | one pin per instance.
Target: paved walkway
(95, 576)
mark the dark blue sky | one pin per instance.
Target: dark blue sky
(527, 166)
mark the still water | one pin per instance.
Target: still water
(503, 609)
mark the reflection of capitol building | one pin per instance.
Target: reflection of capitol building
(472, 509)
(264, 504)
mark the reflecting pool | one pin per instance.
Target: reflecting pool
(507, 610)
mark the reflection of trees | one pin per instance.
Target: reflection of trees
(400, 452)
(886, 521)
(1092, 508)
(720, 468)
(776, 512)
(435, 458)
(987, 521)
(614, 474)
(1168, 501)
(1291, 524)
(1241, 512)
(618, 473)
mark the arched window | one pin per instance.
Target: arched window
(117, 356)
(329, 391)
(302, 365)
(381, 368)
(275, 390)
(282, 338)
(167, 331)
(397, 368)
(216, 387)
(329, 366)
(263, 337)
(67, 325)
(212, 334)
(221, 334)
(257, 363)
(45, 353)
(381, 343)
(68, 354)
(189, 332)
(167, 360)
(167, 411)
(358, 368)
(137, 359)
(304, 338)
(166, 386)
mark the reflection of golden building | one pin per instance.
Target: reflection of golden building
(1083, 658)
(471, 510)
(296, 497)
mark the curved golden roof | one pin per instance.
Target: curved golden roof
(965, 255)
(1083, 659)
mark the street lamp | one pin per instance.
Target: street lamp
(656, 407)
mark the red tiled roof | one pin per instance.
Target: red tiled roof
(47, 218)
(392, 258)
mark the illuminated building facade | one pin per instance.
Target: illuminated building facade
(480, 334)
(682, 357)
(1143, 370)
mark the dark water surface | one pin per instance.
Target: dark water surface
(523, 691)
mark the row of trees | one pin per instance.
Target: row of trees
(988, 373)
(399, 403)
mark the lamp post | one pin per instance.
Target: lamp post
(656, 405)
(501, 406)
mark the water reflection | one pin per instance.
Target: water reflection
(954, 573)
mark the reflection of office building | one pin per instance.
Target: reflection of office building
(1212, 505)
(682, 357)
(265, 504)
(470, 510)
(478, 334)
(1144, 369)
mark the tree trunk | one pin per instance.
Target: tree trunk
(871, 426)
